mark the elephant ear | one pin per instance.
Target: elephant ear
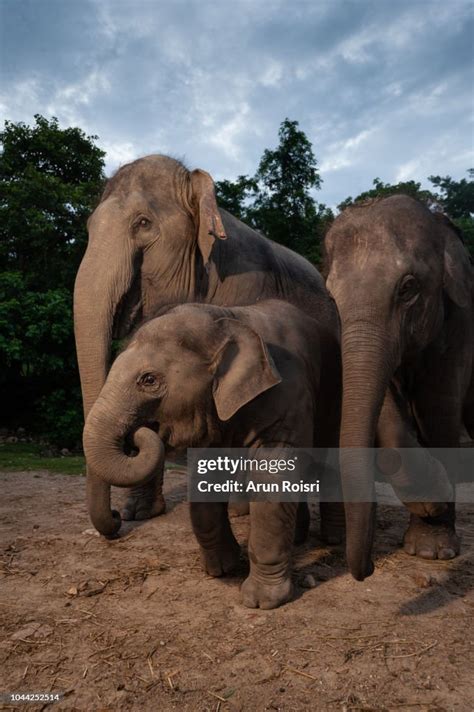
(457, 270)
(243, 368)
(208, 220)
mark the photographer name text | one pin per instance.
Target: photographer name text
(283, 487)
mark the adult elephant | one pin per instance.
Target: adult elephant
(403, 285)
(158, 237)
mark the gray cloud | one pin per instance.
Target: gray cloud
(381, 88)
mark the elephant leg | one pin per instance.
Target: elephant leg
(418, 479)
(146, 501)
(469, 412)
(331, 506)
(435, 537)
(333, 522)
(272, 529)
(431, 532)
(220, 552)
(302, 523)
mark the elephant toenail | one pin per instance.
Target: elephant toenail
(446, 553)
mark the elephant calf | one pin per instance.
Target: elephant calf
(201, 376)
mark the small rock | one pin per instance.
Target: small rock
(91, 588)
(308, 581)
(26, 632)
(72, 591)
(65, 452)
(91, 532)
(43, 631)
(12, 439)
(423, 580)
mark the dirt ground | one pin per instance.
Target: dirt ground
(135, 624)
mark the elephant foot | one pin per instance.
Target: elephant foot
(426, 509)
(238, 509)
(255, 594)
(431, 538)
(144, 502)
(221, 561)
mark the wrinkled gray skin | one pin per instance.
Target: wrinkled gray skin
(156, 238)
(207, 376)
(403, 285)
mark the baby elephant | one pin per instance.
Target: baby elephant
(208, 376)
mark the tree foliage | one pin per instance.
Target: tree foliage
(383, 190)
(278, 199)
(235, 195)
(456, 197)
(50, 179)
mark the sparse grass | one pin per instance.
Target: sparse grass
(15, 457)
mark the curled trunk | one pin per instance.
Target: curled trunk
(103, 448)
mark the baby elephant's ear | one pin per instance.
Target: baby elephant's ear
(207, 217)
(244, 368)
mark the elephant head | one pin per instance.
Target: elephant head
(149, 240)
(393, 269)
(183, 375)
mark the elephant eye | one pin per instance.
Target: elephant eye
(409, 289)
(143, 223)
(147, 379)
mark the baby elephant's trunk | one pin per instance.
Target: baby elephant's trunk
(104, 441)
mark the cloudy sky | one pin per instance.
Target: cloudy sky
(381, 87)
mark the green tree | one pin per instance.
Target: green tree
(456, 197)
(283, 209)
(50, 179)
(234, 196)
(383, 190)
(457, 201)
(278, 199)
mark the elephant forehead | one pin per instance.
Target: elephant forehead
(139, 359)
(149, 175)
(183, 325)
(364, 256)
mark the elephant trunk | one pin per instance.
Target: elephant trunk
(368, 365)
(104, 442)
(101, 284)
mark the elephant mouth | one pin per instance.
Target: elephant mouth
(129, 447)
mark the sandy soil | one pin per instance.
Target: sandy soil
(135, 624)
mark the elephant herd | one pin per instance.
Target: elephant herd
(240, 343)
